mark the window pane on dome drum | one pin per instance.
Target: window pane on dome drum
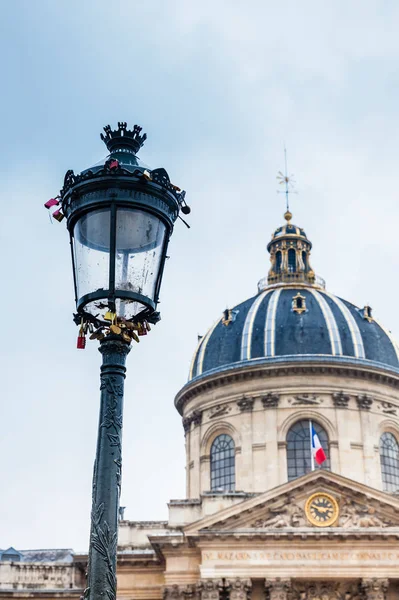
(223, 464)
(291, 260)
(299, 457)
(389, 456)
(278, 262)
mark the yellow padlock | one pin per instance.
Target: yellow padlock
(110, 316)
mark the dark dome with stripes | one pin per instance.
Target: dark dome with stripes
(293, 318)
(291, 321)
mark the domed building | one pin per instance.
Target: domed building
(291, 422)
(291, 354)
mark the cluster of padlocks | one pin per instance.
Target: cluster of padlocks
(119, 326)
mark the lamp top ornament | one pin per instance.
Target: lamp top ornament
(122, 161)
(123, 137)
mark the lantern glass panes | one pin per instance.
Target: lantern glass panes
(118, 260)
(140, 238)
(91, 250)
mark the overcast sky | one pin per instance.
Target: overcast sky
(219, 87)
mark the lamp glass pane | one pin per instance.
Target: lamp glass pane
(139, 245)
(91, 252)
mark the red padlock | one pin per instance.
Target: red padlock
(81, 343)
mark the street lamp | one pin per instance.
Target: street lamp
(120, 216)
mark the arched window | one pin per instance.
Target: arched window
(291, 260)
(223, 464)
(299, 455)
(389, 456)
(278, 261)
(304, 259)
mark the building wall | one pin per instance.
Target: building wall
(259, 429)
(29, 576)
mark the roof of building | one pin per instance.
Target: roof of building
(291, 316)
(52, 555)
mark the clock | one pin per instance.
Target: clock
(322, 509)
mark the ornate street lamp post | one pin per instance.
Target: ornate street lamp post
(120, 216)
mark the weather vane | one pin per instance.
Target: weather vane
(286, 180)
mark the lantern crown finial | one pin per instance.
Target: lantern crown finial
(123, 137)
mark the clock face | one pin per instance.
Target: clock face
(322, 509)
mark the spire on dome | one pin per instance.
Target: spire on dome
(288, 182)
(289, 247)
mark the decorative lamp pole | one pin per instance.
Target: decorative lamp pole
(120, 216)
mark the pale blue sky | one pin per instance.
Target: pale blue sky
(219, 87)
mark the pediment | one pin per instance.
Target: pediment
(288, 507)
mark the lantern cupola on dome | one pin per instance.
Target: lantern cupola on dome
(289, 251)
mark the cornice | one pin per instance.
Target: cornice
(287, 365)
(333, 533)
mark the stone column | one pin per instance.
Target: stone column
(278, 588)
(244, 477)
(210, 589)
(239, 589)
(187, 441)
(375, 589)
(273, 469)
(368, 429)
(195, 452)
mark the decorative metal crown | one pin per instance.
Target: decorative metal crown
(123, 137)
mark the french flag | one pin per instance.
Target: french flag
(317, 449)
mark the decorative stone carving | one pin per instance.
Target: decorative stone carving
(324, 590)
(277, 588)
(388, 408)
(186, 424)
(246, 404)
(289, 515)
(341, 400)
(306, 399)
(364, 402)
(239, 589)
(353, 514)
(180, 592)
(219, 411)
(271, 400)
(375, 589)
(210, 589)
(195, 418)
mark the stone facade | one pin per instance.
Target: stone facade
(355, 405)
